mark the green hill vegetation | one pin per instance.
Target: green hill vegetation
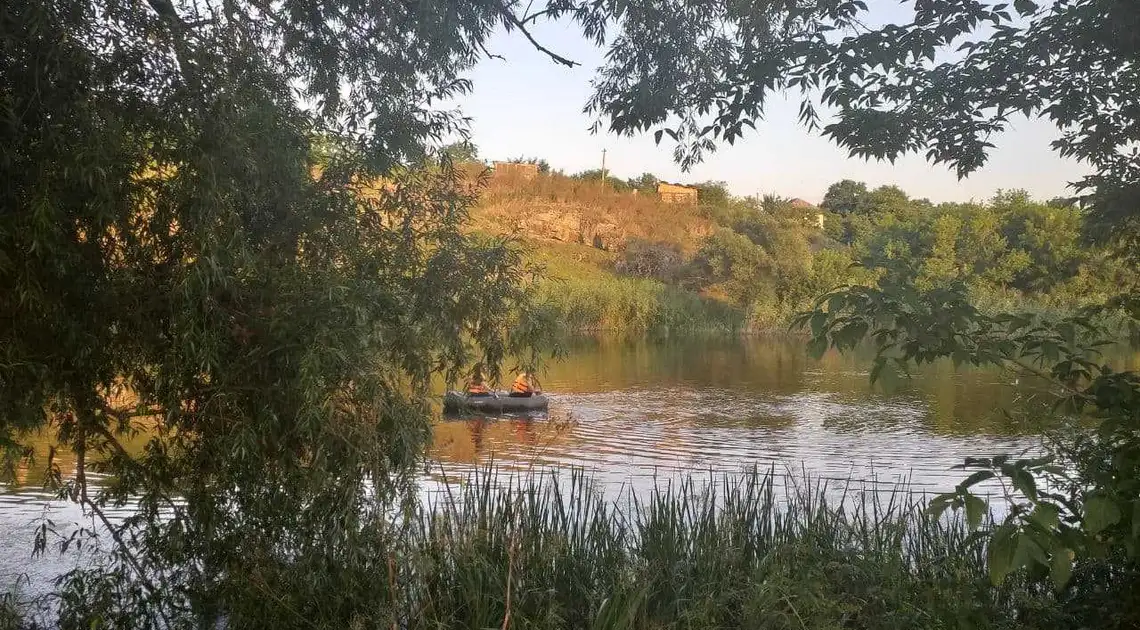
(619, 260)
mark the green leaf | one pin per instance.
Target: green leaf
(1046, 515)
(975, 478)
(888, 377)
(818, 321)
(975, 510)
(1136, 519)
(1028, 550)
(940, 503)
(1000, 553)
(817, 347)
(959, 357)
(1024, 482)
(1100, 514)
(1025, 7)
(1061, 567)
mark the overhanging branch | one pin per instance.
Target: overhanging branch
(512, 21)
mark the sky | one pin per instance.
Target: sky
(526, 105)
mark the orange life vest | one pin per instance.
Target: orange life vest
(477, 387)
(522, 385)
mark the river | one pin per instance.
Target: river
(633, 412)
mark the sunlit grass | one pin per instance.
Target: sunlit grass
(749, 551)
(636, 307)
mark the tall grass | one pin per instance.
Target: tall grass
(635, 307)
(731, 552)
(549, 551)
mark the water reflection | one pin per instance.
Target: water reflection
(631, 412)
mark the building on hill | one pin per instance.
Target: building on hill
(522, 170)
(675, 193)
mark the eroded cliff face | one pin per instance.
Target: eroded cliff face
(607, 225)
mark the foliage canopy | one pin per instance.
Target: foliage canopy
(940, 82)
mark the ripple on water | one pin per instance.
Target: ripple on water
(641, 432)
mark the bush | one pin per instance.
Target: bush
(596, 174)
(1071, 512)
(636, 307)
(658, 260)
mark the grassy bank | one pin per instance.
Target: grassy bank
(749, 551)
(637, 307)
(588, 297)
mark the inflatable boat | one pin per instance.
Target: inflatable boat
(498, 402)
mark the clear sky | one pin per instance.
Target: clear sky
(529, 106)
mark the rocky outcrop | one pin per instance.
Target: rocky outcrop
(570, 222)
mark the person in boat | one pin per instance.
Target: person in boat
(477, 386)
(525, 385)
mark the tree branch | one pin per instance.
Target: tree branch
(122, 451)
(131, 559)
(490, 55)
(512, 20)
(123, 416)
(1032, 371)
(531, 17)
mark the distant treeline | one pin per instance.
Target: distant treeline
(771, 258)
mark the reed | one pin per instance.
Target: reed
(727, 551)
(635, 307)
(550, 551)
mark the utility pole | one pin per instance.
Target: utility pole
(603, 167)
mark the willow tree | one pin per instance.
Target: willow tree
(220, 227)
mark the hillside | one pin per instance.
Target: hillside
(622, 261)
(554, 208)
(578, 230)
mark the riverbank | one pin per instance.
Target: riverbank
(741, 551)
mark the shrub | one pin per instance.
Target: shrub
(658, 260)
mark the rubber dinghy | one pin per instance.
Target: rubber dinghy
(499, 402)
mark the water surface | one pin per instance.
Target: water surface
(630, 413)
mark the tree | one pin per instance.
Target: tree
(940, 265)
(890, 200)
(1073, 508)
(542, 164)
(734, 263)
(648, 259)
(462, 151)
(265, 283)
(940, 84)
(1051, 238)
(844, 197)
(712, 193)
(171, 251)
(596, 174)
(645, 184)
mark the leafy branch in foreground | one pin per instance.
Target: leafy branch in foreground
(1081, 501)
(261, 285)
